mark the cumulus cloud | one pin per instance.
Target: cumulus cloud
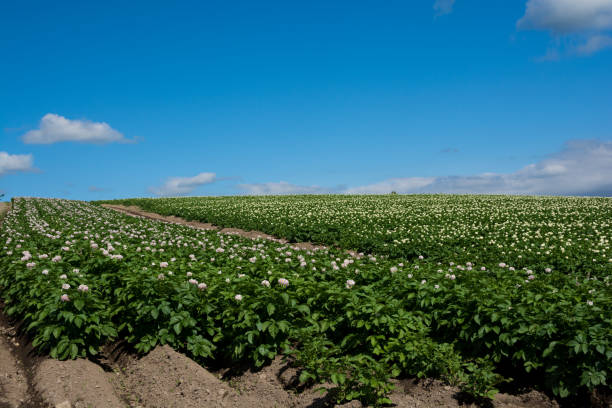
(175, 186)
(582, 24)
(55, 128)
(442, 7)
(283, 187)
(583, 167)
(567, 16)
(10, 163)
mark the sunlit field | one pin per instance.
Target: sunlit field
(476, 291)
(569, 234)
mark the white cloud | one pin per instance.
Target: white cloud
(583, 24)
(567, 16)
(583, 167)
(10, 163)
(594, 44)
(282, 187)
(442, 7)
(183, 185)
(55, 128)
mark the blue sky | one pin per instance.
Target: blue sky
(108, 99)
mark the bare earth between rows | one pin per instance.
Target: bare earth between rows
(137, 211)
(165, 378)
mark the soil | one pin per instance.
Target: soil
(430, 393)
(13, 381)
(4, 207)
(81, 382)
(165, 378)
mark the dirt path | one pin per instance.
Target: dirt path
(137, 211)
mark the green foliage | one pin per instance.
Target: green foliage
(355, 321)
(567, 234)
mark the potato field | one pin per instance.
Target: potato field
(481, 292)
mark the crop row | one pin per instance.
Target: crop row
(80, 276)
(571, 234)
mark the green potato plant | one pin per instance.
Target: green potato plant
(79, 276)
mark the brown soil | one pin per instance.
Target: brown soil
(13, 381)
(433, 394)
(81, 382)
(4, 207)
(167, 379)
(164, 379)
(274, 385)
